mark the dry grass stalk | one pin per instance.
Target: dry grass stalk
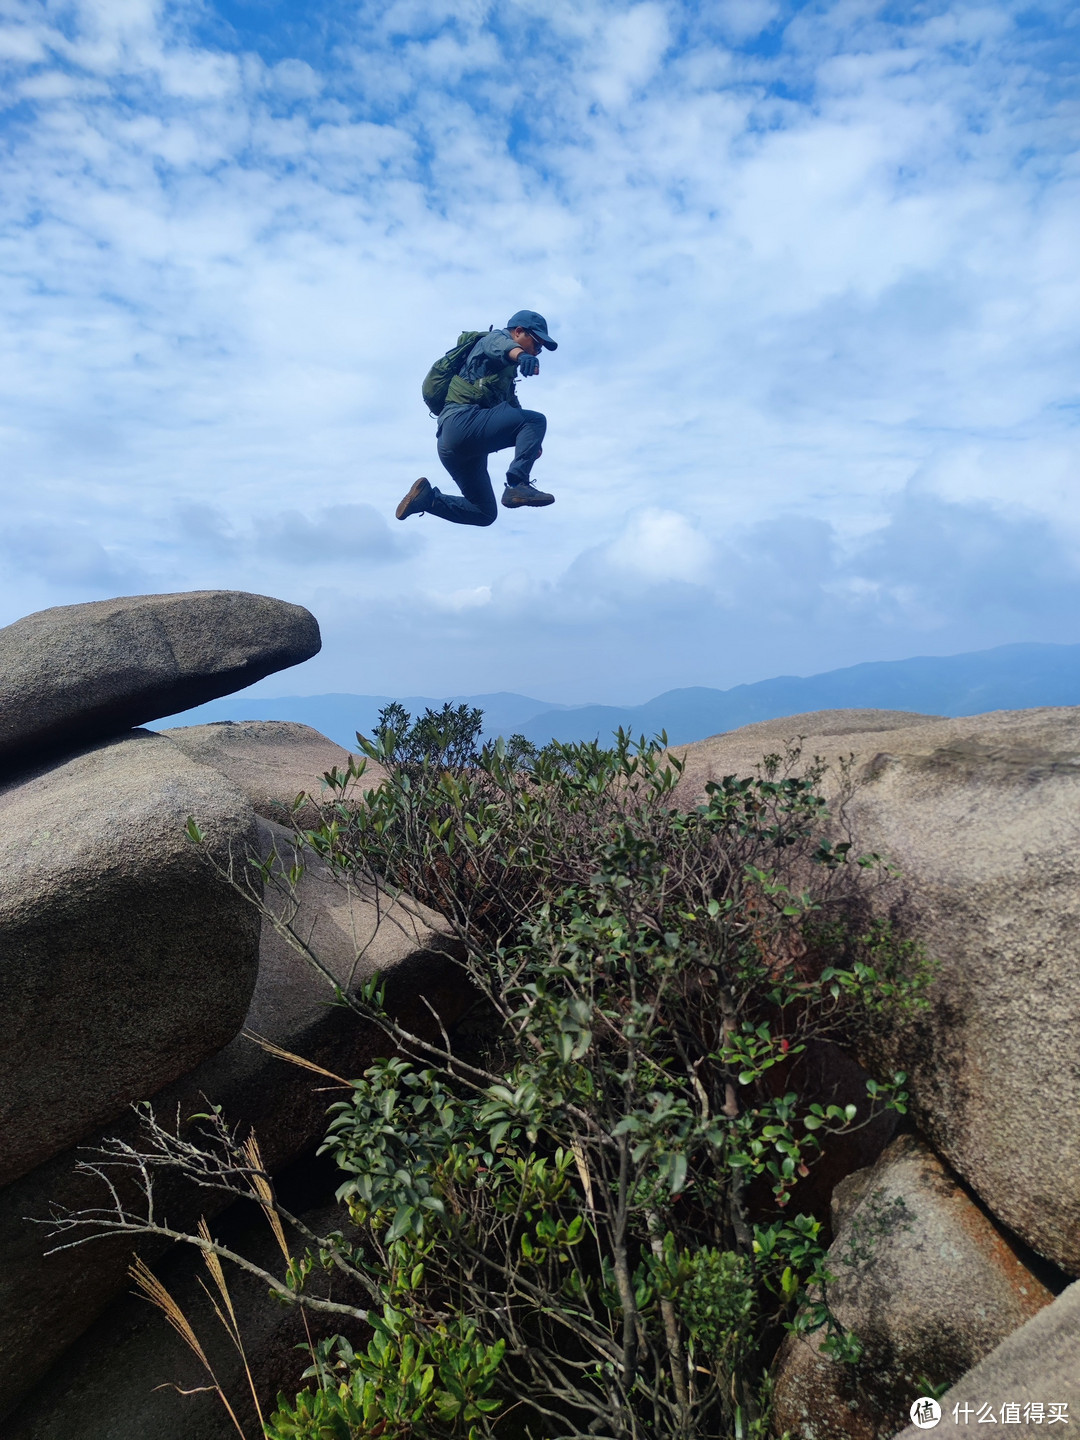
(261, 1189)
(158, 1296)
(230, 1325)
(281, 1054)
(263, 1192)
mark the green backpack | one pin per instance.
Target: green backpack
(437, 380)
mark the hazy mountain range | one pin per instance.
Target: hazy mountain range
(1010, 677)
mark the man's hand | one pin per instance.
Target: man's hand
(528, 364)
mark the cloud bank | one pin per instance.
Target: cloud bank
(812, 270)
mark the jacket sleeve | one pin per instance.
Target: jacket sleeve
(495, 349)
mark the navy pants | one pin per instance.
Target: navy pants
(467, 436)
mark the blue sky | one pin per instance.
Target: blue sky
(812, 268)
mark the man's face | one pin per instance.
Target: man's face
(527, 341)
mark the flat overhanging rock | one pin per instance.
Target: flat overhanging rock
(79, 673)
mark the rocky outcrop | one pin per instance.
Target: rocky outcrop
(1037, 1366)
(927, 1283)
(80, 672)
(119, 932)
(272, 761)
(126, 959)
(47, 1303)
(979, 815)
(354, 934)
(831, 733)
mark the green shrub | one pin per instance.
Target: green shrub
(576, 1215)
(575, 1211)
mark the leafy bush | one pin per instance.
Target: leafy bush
(446, 739)
(575, 1216)
(575, 1211)
(438, 739)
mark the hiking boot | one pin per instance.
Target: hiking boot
(526, 493)
(416, 500)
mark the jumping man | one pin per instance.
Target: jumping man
(482, 415)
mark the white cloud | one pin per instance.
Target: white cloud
(787, 285)
(474, 598)
(632, 45)
(352, 533)
(68, 558)
(658, 545)
(295, 78)
(743, 19)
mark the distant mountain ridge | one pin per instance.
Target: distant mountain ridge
(1008, 677)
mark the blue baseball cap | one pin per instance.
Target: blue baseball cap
(535, 324)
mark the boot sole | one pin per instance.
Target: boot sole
(528, 504)
(415, 491)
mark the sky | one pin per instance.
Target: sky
(812, 269)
